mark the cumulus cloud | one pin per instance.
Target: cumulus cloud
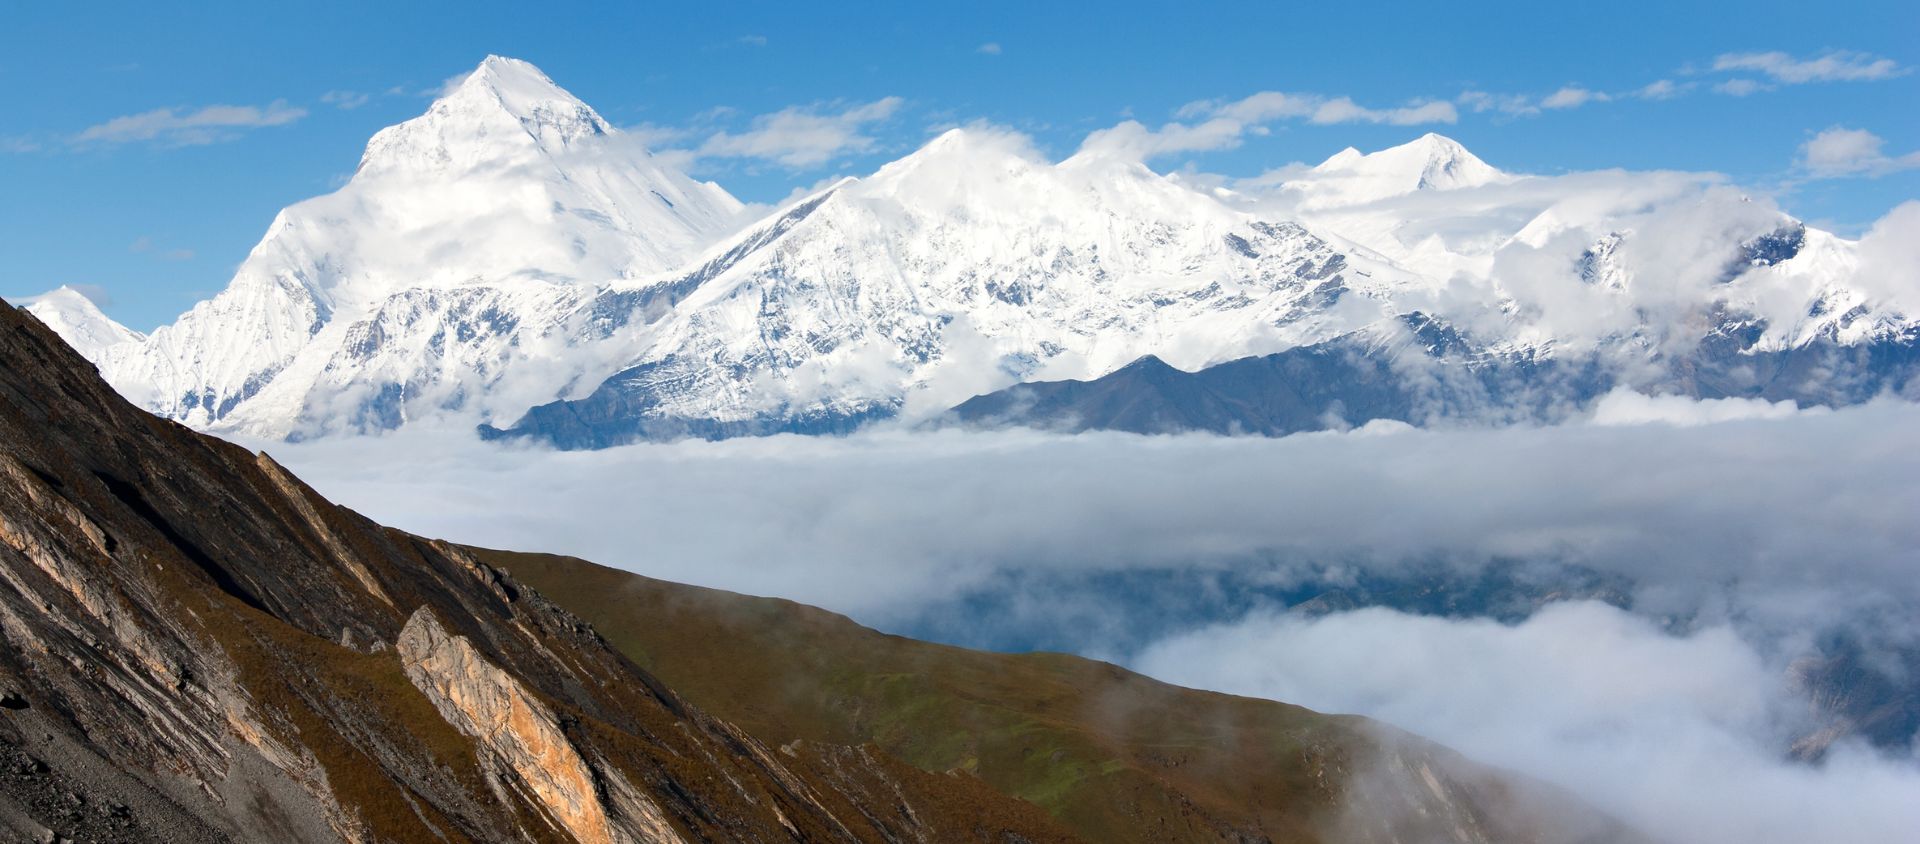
(1888, 267)
(1839, 151)
(1679, 735)
(1836, 66)
(803, 136)
(178, 127)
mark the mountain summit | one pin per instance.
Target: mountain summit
(464, 240)
(1430, 162)
(505, 112)
(80, 322)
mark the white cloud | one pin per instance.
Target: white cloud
(1134, 141)
(1482, 101)
(1742, 87)
(1836, 66)
(878, 523)
(1661, 89)
(1344, 110)
(1221, 124)
(752, 40)
(1573, 96)
(991, 48)
(1679, 735)
(345, 100)
(1889, 258)
(1839, 151)
(801, 137)
(1626, 407)
(210, 124)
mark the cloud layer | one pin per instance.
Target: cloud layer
(1678, 735)
(1819, 503)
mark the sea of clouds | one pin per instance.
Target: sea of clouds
(1746, 530)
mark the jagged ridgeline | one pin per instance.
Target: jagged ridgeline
(511, 260)
(201, 648)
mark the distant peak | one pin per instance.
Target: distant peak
(1429, 162)
(979, 150)
(66, 294)
(1344, 156)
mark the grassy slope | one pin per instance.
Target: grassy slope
(1117, 756)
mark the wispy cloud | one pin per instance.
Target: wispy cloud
(1221, 124)
(183, 127)
(991, 48)
(1839, 151)
(1661, 89)
(1479, 102)
(145, 245)
(1574, 96)
(752, 40)
(345, 100)
(1742, 87)
(1835, 66)
(1565, 98)
(802, 136)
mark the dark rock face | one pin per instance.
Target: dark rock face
(200, 648)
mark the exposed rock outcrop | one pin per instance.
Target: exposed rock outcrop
(197, 647)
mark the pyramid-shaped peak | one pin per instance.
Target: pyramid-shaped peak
(978, 141)
(510, 77)
(1429, 162)
(522, 91)
(503, 110)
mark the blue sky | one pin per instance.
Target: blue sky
(157, 209)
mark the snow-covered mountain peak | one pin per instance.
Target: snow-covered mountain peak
(509, 196)
(1429, 162)
(80, 322)
(505, 112)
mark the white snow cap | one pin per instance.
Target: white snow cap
(1429, 162)
(74, 316)
(500, 113)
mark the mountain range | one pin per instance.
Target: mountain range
(513, 261)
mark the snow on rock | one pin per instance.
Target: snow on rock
(510, 250)
(486, 217)
(974, 263)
